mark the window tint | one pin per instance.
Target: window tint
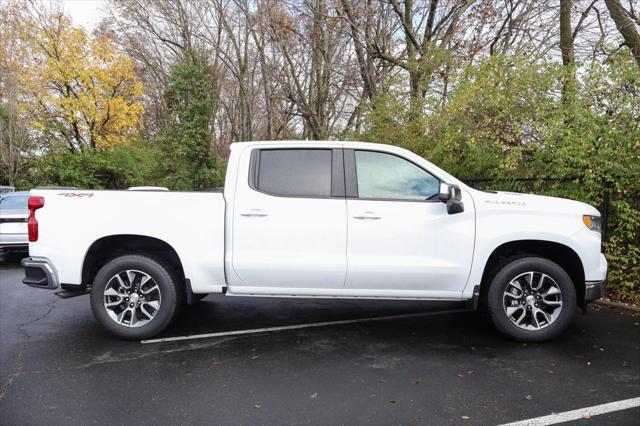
(383, 175)
(295, 172)
(15, 202)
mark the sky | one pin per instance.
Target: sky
(84, 12)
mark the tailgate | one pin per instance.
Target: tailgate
(11, 226)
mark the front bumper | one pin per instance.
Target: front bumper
(39, 272)
(596, 280)
(593, 290)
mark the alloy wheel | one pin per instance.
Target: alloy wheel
(132, 298)
(532, 300)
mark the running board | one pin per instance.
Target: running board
(65, 294)
(313, 293)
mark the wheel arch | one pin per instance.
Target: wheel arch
(559, 253)
(109, 247)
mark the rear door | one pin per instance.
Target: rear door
(289, 220)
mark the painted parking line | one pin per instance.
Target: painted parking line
(580, 413)
(298, 326)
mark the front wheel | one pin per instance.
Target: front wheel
(531, 299)
(134, 297)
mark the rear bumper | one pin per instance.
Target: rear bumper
(14, 238)
(39, 272)
(14, 247)
(13, 242)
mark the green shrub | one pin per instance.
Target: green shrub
(130, 164)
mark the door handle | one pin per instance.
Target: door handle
(367, 216)
(253, 213)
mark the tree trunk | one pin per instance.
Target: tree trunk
(566, 38)
(566, 48)
(625, 27)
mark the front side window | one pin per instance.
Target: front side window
(387, 176)
(295, 172)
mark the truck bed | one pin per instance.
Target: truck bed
(192, 223)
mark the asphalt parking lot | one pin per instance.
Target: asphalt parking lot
(57, 366)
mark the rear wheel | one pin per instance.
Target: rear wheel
(134, 297)
(531, 299)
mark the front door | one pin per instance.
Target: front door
(400, 237)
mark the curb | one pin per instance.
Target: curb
(618, 305)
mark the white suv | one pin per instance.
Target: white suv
(13, 221)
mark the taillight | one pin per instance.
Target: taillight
(34, 204)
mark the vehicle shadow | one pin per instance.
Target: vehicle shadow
(218, 313)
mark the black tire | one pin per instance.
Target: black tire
(498, 313)
(168, 290)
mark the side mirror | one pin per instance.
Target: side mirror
(452, 196)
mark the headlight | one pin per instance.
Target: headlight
(593, 222)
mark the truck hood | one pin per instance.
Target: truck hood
(529, 202)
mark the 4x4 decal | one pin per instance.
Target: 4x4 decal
(76, 194)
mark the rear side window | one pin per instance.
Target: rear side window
(294, 172)
(14, 203)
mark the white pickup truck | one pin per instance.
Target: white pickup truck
(319, 219)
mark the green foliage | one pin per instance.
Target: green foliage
(494, 120)
(506, 119)
(602, 145)
(129, 164)
(188, 143)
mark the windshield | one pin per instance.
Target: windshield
(14, 203)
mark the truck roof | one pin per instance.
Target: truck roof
(346, 144)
